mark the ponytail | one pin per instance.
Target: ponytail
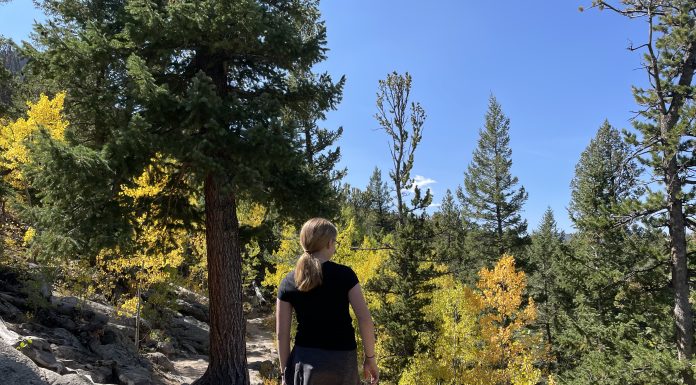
(307, 272)
(315, 235)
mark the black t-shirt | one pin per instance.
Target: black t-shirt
(323, 320)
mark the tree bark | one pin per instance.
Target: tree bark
(683, 316)
(228, 362)
(680, 279)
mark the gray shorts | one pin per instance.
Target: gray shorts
(312, 366)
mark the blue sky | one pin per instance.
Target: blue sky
(557, 72)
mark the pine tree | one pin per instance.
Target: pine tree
(318, 141)
(664, 137)
(206, 83)
(13, 93)
(379, 202)
(450, 237)
(490, 196)
(605, 176)
(544, 257)
(402, 286)
(614, 277)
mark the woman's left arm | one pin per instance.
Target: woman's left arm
(283, 320)
(367, 333)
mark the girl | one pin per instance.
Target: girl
(319, 291)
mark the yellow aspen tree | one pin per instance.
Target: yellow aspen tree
(46, 113)
(482, 337)
(288, 252)
(158, 243)
(453, 347)
(510, 348)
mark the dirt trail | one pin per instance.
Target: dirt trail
(261, 356)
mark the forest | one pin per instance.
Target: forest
(152, 145)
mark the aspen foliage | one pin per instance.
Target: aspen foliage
(365, 258)
(482, 336)
(285, 258)
(46, 113)
(15, 136)
(510, 347)
(454, 310)
(158, 243)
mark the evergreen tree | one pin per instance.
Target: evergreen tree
(544, 257)
(490, 196)
(379, 202)
(15, 90)
(206, 83)
(318, 141)
(605, 176)
(450, 237)
(404, 280)
(402, 286)
(664, 136)
(614, 278)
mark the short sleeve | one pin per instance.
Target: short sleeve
(351, 278)
(283, 290)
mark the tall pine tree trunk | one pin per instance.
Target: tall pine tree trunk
(683, 317)
(228, 363)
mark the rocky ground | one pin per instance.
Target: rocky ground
(74, 342)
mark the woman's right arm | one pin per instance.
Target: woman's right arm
(283, 319)
(367, 332)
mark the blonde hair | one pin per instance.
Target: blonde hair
(315, 235)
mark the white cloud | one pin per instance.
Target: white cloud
(422, 181)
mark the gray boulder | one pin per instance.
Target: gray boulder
(134, 376)
(16, 368)
(161, 360)
(191, 333)
(72, 379)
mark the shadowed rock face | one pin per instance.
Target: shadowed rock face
(73, 340)
(78, 342)
(16, 368)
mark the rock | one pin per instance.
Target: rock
(52, 319)
(66, 305)
(190, 348)
(72, 379)
(190, 332)
(192, 304)
(44, 359)
(166, 347)
(39, 351)
(10, 312)
(267, 369)
(14, 299)
(104, 372)
(95, 320)
(99, 308)
(15, 368)
(115, 352)
(8, 336)
(63, 337)
(49, 376)
(161, 360)
(134, 376)
(195, 310)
